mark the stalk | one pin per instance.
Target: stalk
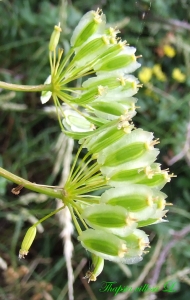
(51, 192)
(25, 88)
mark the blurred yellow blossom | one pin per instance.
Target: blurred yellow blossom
(159, 73)
(169, 51)
(145, 74)
(178, 75)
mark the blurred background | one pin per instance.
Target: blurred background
(32, 147)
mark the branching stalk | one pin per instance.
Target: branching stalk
(55, 193)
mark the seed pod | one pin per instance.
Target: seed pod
(132, 151)
(55, 37)
(107, 245)
(133, 198)
(124, 61)
(136, 242)
(75, 122)
(91, 51)
(97, 267)
(109, 108)
(103, 138)
(154, 219)
(158, 180)
(93, 22)
(27, 242)
(114, 219)
(123, 82)
(137, 239)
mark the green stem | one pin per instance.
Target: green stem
(25, 88)
(32, 186)
(49, 215)
(73, 165)
(75, 220)
(79, 215)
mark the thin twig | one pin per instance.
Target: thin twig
(177, 235)
(183, 152)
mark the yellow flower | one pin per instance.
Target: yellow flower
(145, 74)
(159, 73)
(178, 75)
(169, 51)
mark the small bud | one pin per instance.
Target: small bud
(55, 37)
(97, 267)
(27, 242)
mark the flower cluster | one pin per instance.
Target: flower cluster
(120, 161)
(178, 75)
(146, 73)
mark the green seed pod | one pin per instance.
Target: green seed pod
(125, 177)
(137, 239)
(117, 96)
(136, 242)
(125, 154)
(106, 108)
(91, 50)
(114, 219)
(125, 85)
(55, 38)
(77, 135)
(115, 48)
(151, 176)
(158, 180)
(109, 80)
(134, 197)
(103, 138)
(87, 96)
(135, 150)
(97, 267)
(75, 122)
(124, 61)
(93, 22)
(107, 245)
(154, 219)
(27, 242)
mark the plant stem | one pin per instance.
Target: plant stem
(25, 88)
(32, 186)
(49, 215)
